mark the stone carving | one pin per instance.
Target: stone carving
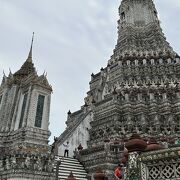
(13, 162)
(1, 165)
(34, 164)
(27, 162)
(38, 164)
(7, 163)
(50, 165)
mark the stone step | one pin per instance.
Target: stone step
(71, 169)
(66, 158)
(73, 162)
(74, 172)
(75, 175)
(67, 165)
(65, 177)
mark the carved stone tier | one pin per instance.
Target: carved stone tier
(116, 119)
(139, 29)
(105, 157)
(29, 165)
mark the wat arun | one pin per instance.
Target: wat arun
(138, 92)
(131, 114)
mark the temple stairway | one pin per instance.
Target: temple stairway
(64, 165)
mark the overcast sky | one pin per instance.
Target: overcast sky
(73, 38)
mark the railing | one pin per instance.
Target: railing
(160, 165)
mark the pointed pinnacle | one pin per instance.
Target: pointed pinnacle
(4, 73)
(10, 71)
(29, 59)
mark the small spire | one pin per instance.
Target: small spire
(29, 59)
(4, 73)
(10, 73)
(69, 112)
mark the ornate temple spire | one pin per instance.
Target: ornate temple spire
(28, 66)
(4, 78)
(139, 29)
(29, 59)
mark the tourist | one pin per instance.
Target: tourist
(118, 172)
(80, 148)
(75, 153)
(66, 151)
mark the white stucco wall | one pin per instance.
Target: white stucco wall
(79, 135)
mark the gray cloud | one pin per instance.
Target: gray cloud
(73, 38)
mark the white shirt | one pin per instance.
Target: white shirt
(66, 146)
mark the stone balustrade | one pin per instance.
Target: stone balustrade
(22, 163)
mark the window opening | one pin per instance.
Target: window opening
(39, 111)
(23, 110)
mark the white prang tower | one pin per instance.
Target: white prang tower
(24, 120)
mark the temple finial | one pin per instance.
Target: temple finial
(4, 73)
(29, 59)
(10, 73)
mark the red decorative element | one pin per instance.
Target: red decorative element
(99, 175)
(71, 176)
(136, 144)
(153, 145)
